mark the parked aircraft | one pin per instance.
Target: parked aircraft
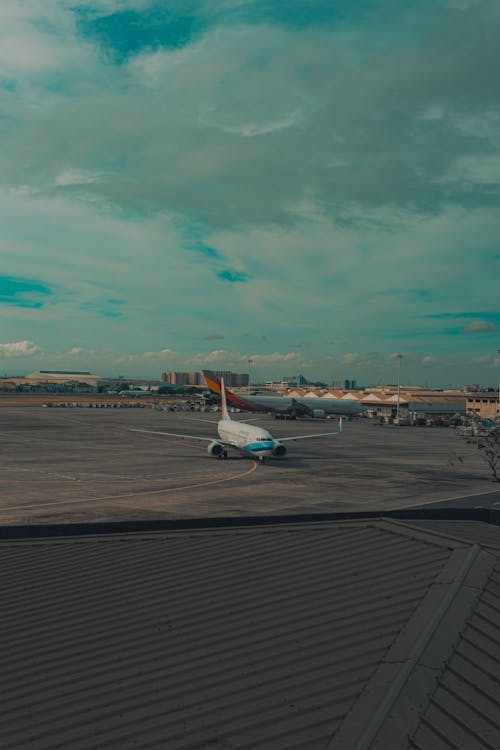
(249, 440)
(292, 407)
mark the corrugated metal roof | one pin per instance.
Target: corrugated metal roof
(256, 637)
(247, 638)
(464, 711)
(488, 535)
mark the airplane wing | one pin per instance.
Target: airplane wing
(216, 421)
(183, 437)
(305, 437)
(208, 421)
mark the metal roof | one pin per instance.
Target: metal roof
(485, 534)
(311, 635)
(464, 710)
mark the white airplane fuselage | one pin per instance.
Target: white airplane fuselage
(250, 439)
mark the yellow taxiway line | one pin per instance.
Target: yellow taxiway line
(132, 494)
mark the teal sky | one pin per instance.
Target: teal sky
(312, 185)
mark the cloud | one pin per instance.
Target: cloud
(70, 176)
(19, 349)
(275, 358)
(153, 152)
(224, 359)
(208, 252)
(350, 358)
(479, 170)
(104, 308)
(157, 355)
(480, 326)
(21, 292)
(457, 315)
(251, 130)
(234, 276)
(174, 99)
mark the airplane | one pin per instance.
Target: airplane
(283, 405)
(250, 441)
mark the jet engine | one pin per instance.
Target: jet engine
(279, 449)
(318, 413)
(215, 449)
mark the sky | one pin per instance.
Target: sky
(311, 185)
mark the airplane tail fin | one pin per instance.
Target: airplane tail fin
(214, 385)
(212, 381)
(225, 413)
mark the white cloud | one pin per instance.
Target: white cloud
(350, 358)
(434, 112)
(480, 326)
(491, 361)
(250, 130)
(71, 176)
(276, 358)
(224, 359)
(37, 39)
(157, 355)
(19, 349)
(269, 144)
(29, 52)
(483, 170)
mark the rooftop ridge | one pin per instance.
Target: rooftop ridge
(486, 515)
(457, 588)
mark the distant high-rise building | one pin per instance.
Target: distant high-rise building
(196, 378)
(231, 379)
(345, 385)
(176, 378)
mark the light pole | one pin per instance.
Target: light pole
(498, 352)
(400, 357)
(250, 362)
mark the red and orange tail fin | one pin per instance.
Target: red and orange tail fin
(214, 385)
(212, 381)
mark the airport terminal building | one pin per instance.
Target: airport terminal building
(414, 405)
(485, 405)
(54, 381)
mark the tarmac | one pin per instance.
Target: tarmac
(85, 465)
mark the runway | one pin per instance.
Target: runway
(123, 496)
(487, 499)
(85, 465)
